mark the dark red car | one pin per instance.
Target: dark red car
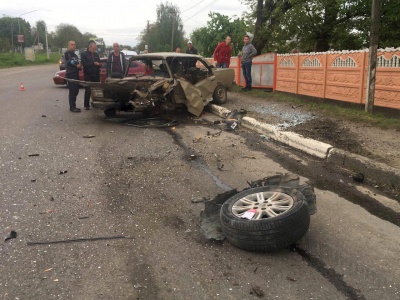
(134, 68)
(59, 77)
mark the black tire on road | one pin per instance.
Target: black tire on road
(220, 94)
(266, 233)
(111, 112)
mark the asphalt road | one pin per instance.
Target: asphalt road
(135, 186)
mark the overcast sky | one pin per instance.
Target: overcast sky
(117, 21)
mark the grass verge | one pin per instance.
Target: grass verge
(8, 60)
(335, 109)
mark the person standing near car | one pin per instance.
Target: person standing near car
(223, 53)
(116, 63)
(91, 69)
(72, 67)
(190, 62)
(248, 52)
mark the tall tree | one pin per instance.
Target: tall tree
(166, 32)
(67, 32)
(218, 27)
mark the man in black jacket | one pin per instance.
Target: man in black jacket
(191, 62)
(72, 67)
(91, 69)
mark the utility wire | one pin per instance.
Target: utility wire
(201, 10)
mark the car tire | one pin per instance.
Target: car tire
(220, 94)
(282, 213)
(111, 112)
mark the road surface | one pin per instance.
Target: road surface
(72, 176)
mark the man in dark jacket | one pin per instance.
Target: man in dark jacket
(191, 50)
(72, 67)
(223, 53)
(116, 63)
(91, 69)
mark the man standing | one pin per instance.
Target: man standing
(91, 69)
(72, 67)
(223, 53)
(116, 63)
(191, 49)
(190, 62)
(248, 52)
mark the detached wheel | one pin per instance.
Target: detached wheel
(220, 94)
(111, 112)
(280, 218)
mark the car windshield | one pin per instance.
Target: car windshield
(147, 67)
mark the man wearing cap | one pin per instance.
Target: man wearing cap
(191, 50)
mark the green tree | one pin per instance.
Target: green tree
(39, 32)
(166, 32)
(67, 32)
(319, 25)
(218, 28)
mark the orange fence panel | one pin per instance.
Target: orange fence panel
(340, 75)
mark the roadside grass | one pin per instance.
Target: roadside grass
(7, 60)
(335, 109)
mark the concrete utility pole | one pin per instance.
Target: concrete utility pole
(373, 52)
(172, 37)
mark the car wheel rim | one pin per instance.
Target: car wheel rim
(220, 93)
(265, 205)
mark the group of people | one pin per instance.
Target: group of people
(117, 64)
(223, 53)
(222, 58)
(90, 62)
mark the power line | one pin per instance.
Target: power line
(201, 10)
(193, 6)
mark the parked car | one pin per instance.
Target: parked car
(61, 62)
(59, 77)
(157, 82)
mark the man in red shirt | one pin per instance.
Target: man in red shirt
(223, 53)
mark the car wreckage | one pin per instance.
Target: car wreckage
(161, 82)
(273, 213)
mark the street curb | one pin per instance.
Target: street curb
(310, 146)
(378, 172)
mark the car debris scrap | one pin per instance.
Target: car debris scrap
(272, 213)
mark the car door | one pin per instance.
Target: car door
(200, 88)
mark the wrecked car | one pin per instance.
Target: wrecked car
(160, 82)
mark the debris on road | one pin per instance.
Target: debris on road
(255, 289)
(63, 172)
(33, 154)
(199, 200)
(192, 157)
(89, 136)
(359, 177)
(12, 235)
(227, 216)
(43, 116)
(77, 240)
(218, 133)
